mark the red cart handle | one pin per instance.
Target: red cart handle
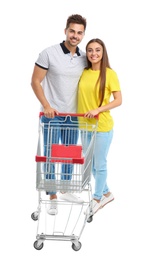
(69, 114)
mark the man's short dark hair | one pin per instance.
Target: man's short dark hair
(76, 18)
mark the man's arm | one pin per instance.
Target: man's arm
(37, 77)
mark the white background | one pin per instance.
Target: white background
(120, 230)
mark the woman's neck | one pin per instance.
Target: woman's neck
(95, 67)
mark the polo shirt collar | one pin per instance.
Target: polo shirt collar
(65, 50)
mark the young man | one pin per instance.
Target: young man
(55, 80)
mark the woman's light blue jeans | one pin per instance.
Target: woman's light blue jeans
(99, 166)
(58, 130)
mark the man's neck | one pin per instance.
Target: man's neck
(72, 49)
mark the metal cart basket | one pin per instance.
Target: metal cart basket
(64, 165)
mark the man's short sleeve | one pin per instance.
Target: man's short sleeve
(43, 60)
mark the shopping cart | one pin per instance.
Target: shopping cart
(74, 155)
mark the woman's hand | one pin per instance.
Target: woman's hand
(92, 113)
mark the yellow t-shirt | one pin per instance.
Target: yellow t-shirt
(88, 96)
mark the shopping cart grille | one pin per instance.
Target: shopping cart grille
(64, 166)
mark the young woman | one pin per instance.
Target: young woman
(98, 93)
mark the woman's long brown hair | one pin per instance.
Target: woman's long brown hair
(102, 74)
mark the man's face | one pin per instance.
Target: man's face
(74, 34)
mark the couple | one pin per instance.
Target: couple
(66, 80)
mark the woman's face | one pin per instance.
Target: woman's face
(94, 53)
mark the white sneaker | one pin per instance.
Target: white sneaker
(106, 200)
(92, 209)
(70, 197)
(52, 207)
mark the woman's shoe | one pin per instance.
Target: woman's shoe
(105, 200)
(93, 207)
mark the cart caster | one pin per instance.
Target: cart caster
(76, 248)
(37, 245)
(90, 219)
(34, 215)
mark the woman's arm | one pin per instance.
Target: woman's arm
(117, 101)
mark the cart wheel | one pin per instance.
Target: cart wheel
(76, 248)
(38, 247)
(90, 219)
(34, 215)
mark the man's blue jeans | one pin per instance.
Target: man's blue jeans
(58, 130)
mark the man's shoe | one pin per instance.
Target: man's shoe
(70, 197)
(52, 207)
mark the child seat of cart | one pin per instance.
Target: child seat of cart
(71, 153)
